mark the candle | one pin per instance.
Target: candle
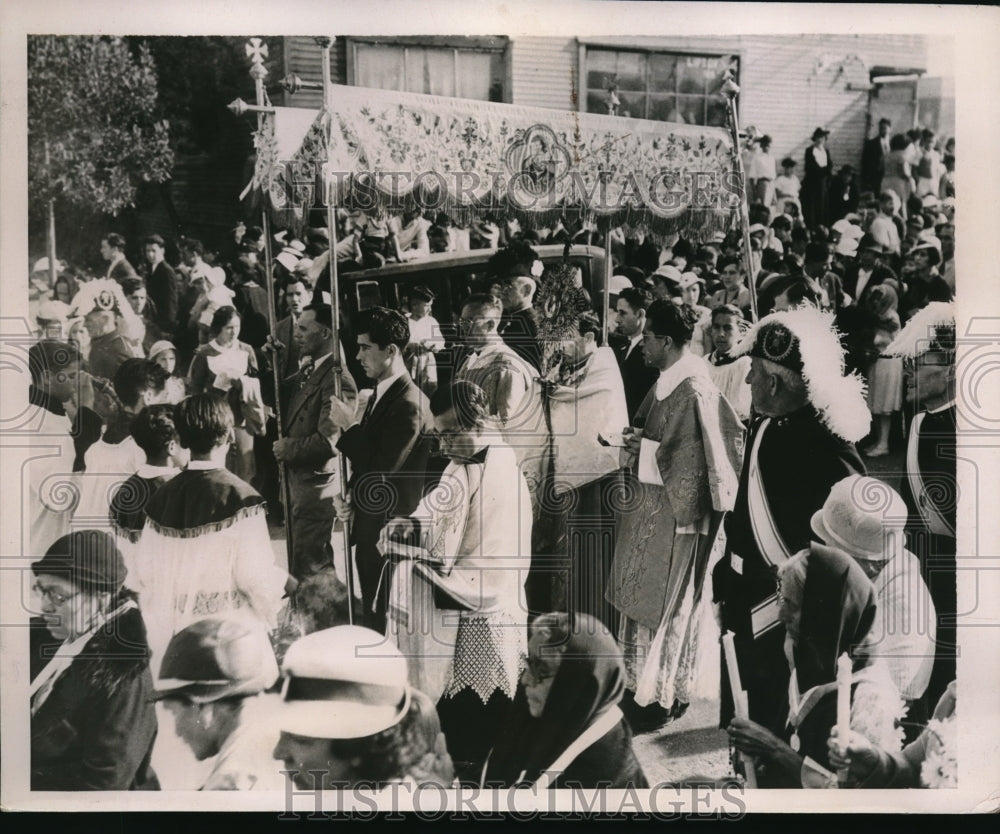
(735, 686)
(843, 700)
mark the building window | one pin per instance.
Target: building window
(665, 86)
(475, 68)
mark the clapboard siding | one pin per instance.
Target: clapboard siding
(304, 58)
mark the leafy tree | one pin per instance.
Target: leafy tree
(94, 136)
(93, 132)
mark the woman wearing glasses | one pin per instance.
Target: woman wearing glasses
(92, 720)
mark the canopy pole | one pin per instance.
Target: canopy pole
(331, 226)
(608, 270)
(257, 52)
(730, 89)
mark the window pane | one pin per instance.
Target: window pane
(475, 77)
(692, 109)
(597, 102)
(718, 75)
(379, 66)
(605, 66)
(601, 68)
(664, 108)
(718, 112)
(691, 75)
(430, 71)
(633, 105)
(663, 73)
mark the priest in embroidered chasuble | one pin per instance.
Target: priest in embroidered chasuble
(205, 548)
(685, 458)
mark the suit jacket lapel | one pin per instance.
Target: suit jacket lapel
(303, 395)
(395, 391)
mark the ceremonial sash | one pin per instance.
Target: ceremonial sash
(765, 532)
(934, 520)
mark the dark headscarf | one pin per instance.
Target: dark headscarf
(838, 609)
(589, 681)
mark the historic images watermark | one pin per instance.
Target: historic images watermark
(431, 802)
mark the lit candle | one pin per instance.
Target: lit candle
(843, 700)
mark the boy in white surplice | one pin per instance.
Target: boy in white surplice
(455, 607)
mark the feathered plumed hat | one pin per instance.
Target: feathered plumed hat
(805, 340)
(932, 328)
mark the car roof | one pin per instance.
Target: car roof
(447, 260)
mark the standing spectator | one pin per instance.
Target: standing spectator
(113, 251)
(885, 373)
(801, 445)
(211, 679)
(685, 458)
(897, 175)
(867, 270)
(637, 376)
(883, 229)
(928, 166)
(205, 548)
(843, 194)
(140, 330)
(387, 448)
(873, 154)
(163, 286)
(164, 354)
(313, 465)
(566, 728)
(473, 531)
(787, 187)
(930, 488)
(762, 172)
(228, 365)
(923, 283)
(250, 299)
(734, 289)
(92, 721)
(816, 185)
(946, 187)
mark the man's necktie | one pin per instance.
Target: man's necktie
(368, 409)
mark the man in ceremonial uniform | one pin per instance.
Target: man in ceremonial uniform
(311, 459)
(637, 376)
(387, 449)
(809, 417)
(930, 488)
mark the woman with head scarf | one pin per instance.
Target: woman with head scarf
(827, 605)
(565, 728)
(92, 719)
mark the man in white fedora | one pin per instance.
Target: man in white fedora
(865, 518)
(349, 718)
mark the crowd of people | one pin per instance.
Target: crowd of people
(574, 503)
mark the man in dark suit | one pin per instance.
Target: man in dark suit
(875, 149)
(388, 448)
(162, 285)
(113, 251)
(312, 463)
(636, 374)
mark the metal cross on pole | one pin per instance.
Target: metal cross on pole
(257, 51)
(730, 89)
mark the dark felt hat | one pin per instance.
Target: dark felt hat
(88, 558)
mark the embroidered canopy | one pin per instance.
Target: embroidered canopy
(378, 150)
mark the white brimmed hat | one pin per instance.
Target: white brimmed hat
(341, 683)
(863, 516)
(805, 340)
